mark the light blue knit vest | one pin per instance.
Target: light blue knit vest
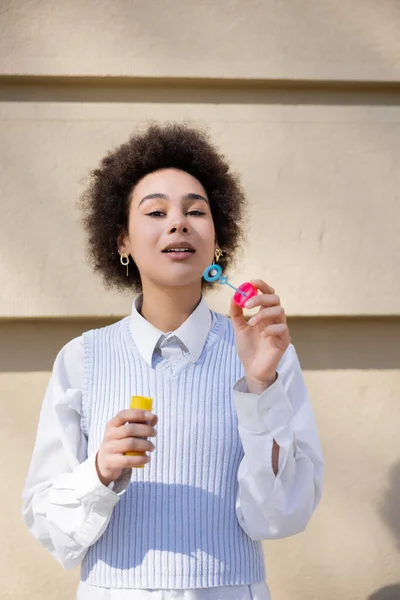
(175, 527)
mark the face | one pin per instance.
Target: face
(171, 234)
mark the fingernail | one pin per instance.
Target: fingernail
(252, 321)
(148, 415)
(249, 304)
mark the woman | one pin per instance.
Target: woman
(236, 457)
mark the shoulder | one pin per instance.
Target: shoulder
(106, 331)
(222, 328)
(68, 365)
(221, 322)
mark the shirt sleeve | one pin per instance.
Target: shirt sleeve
(65, 505)
(269, 506)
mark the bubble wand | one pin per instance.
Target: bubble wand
(243, 293)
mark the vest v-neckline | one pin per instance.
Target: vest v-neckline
(173, 368)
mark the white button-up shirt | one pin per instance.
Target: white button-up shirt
(67, 508)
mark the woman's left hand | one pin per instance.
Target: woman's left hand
(262, 341)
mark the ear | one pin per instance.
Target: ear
(123, 243)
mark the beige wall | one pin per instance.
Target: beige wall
(269, 39)
(323, 183)
(304, 98)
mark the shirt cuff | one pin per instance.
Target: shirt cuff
(88, 486)
(269, 412)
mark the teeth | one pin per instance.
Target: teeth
(179, 250)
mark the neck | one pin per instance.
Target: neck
(167, 309)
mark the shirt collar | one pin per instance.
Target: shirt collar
(192, 333)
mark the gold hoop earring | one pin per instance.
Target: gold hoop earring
(218, 253)
(124, 260)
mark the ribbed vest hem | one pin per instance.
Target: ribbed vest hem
(178, 583)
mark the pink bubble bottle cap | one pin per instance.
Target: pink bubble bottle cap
(244, 293)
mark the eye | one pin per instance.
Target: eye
(156, 213)
(196, 213)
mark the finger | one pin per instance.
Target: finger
(263, 300)
(133, 444)
(132, 462)
(237, 316)
(134, 430)
(131, 415)
(277, 330)
(261, 285)
(153, 421)
(116, 448)
(268, 316)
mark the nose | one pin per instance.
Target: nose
(179, 226)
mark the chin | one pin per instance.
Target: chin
(179, 279)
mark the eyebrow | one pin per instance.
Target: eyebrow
(158, 195)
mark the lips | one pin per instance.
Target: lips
(179, 247)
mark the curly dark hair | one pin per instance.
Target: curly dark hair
(105, 201)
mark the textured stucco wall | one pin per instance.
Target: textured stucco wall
(256, 39)
(323, 182)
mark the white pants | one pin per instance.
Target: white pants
(256, 591)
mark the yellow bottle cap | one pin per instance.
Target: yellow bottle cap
(142, 403)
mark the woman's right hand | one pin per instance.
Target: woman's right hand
(123, 435)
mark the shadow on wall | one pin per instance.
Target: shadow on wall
(390, 512)
(391, 592)
(390, 507)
